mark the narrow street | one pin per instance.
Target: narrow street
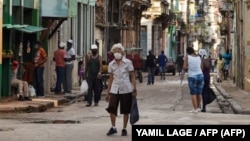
(165, 102)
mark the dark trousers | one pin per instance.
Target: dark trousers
(94, 89)
(205, 92)
(151, 75)
(59, 79)
(39, 81)
(67, 83)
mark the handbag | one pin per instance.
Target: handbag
(210, 96)
(134, 112)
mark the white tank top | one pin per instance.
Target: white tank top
(194, 65)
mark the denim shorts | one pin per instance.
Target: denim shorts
(196, 84)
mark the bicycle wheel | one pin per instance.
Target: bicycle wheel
(139, 75)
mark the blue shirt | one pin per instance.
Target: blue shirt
(227, 57)
(162, 60)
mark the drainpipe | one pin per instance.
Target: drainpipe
(21, 41)
(1, 43)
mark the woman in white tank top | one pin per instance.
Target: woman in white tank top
(192, 63)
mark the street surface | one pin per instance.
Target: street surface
(165, 102)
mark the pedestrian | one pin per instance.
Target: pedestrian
(179, 63)
(213, 65)
(151, 64)
(60, 58)
(70, 58)
(206, 63)
(121, 88)
(19, 85)
(219, 66)
(162, 60)
(39, 61)
(227, 56)
(192, 63)
(93, 69)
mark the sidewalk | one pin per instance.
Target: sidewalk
(238, 99)
(11, 105)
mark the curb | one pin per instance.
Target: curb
(31, 106)
(237, 109)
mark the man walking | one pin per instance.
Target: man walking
(162, 60)
(150, 64)
(67, 85)
(93, 69)
(59, 58)
(39, 61)
(227, 58)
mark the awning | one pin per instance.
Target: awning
(11, 26)
(31, 29)
(24, 28)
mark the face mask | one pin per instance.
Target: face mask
(118, 56)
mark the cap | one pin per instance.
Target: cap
(62, 44)
(70, 41)
(94, 46)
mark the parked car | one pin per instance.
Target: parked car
(170, 67)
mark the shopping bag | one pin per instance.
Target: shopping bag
(134, 113)
(210, 96)
(32, 91)
(84, 87)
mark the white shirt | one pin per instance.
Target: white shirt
(121, 82)
(194, 65)
(70, 53)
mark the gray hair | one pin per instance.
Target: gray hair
(118, 45)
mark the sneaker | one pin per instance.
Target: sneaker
(124, 132)
(193, 111)
(111, 131)
(198, 110)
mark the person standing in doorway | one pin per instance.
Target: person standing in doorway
(162, 60)
(121, 88)
(93, 69)
(150, 64)
(70, 58)
(59, 58)
(39, 61)
(192, 63)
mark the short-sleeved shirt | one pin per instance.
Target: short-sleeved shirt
(227, 57)
(70, 53)
(40, 56)
(59, 56)
(121, 83)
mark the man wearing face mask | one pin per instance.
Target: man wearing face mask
(93, 69)
(69, 65)
(121, 88)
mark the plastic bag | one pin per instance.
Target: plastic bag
(134, 113)
(32, 91)
(84, 87)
